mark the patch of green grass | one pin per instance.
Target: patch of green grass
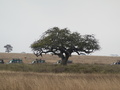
(72, 68)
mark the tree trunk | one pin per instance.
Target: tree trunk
(64, 60)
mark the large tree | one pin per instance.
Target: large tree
(63, 43)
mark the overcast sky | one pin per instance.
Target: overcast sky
(23, 21)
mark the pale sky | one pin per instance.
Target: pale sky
(23, 21)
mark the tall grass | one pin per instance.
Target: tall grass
(50, 81)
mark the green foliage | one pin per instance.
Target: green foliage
(72, 68)
(63, 43)
(56, 38)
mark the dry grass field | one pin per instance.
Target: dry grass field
(11, 80)
(28, 58)
(50, 81)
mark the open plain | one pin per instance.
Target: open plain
(28, 58)
(95, 73)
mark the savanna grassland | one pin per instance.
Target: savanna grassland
(86, 73)
(28, 58)
(62, 81)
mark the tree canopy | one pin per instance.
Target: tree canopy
(63, 42)
(8, 47)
